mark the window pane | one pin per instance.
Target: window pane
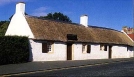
(50, 46)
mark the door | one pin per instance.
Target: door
(69, 51)
(110, 52)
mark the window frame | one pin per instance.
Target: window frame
(86, 48)
(103, 47)
(48, 47)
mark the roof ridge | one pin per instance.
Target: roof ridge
(91, 26)
(104, 28)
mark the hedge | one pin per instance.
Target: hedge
(14, 49)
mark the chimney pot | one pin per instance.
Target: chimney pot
(20, 7)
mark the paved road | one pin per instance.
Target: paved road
(112, 69)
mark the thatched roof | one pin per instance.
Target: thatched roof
(57, 31)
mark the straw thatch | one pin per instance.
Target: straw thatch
(54, 30)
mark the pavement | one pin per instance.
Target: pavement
(10, 69)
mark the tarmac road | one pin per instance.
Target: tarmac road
(111, 69)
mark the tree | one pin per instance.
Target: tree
(3, 27)
(57, 16)
(2, 22)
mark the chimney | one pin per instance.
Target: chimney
(20, 8)
(84, 20)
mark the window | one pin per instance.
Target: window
(103, 47)
(86, 48)
(47, 47)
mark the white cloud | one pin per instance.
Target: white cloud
(4, 2)
(41, 11)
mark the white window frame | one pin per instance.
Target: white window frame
(84, 48)
(50, 47)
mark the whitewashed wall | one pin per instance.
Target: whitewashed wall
(120, 52)
(58, 54)
(94, 54)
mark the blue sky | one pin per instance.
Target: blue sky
(104, 13)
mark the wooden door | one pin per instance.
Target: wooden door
(69, 51)
(110, 52)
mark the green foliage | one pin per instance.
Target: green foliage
(3, 27)
(57, 16)
(2, 22)
(13, 49)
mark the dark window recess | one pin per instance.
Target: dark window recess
(105, 47)
(44, 48)
(71, 37)
(88, 48)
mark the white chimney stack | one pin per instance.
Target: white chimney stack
(84, 20)
(20, 7)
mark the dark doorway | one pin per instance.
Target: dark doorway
(69, 51)
(110, 52)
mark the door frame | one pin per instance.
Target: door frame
(69, 51)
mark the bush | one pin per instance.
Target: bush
(13, 49)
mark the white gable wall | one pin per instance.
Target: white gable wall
(18, 24)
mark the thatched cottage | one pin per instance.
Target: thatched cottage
(53, 40)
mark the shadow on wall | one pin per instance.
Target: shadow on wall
(130, 48)
(30, 52)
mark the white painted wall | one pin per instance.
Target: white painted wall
(18, 24)
(58, 54)
(120, 52)
(95, 52)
